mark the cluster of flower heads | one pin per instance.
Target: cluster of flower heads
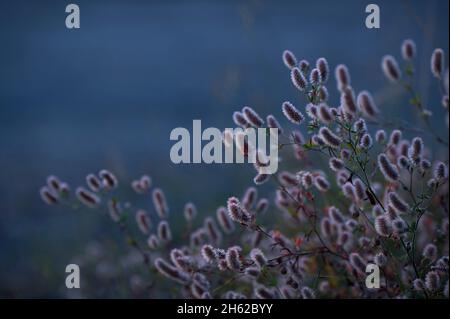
(362, 194)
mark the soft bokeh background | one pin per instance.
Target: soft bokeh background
(108, 95)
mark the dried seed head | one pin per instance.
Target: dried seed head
(143, 221)
(164, 233)
(160, 204)
(342, 77)
(348, 101)
(252, 117)
(109, 180)
(380, 136)
(388, 170)
(48, 196)
(291, 113)
(390, 68)
(437, 63)
(367, 105)
(289, 59)
(298, 79)
(408, 49)
(258, 257)
(171, 272)
(382, 226)
(322, 66)
(329, 137)
(87, 198)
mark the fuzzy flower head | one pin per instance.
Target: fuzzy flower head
(298, 79)
(388, 170)
(390, 68)
(367, 105)
(408, 49)
(342, 77)
(322, 66)
(289, 59)
(329, 137)
(437, 63)
(291, 113)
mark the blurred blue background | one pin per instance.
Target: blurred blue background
(107, 96)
